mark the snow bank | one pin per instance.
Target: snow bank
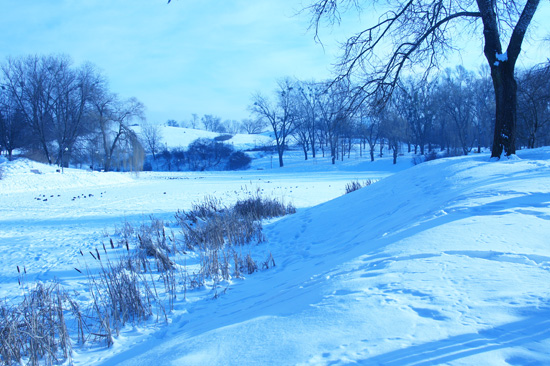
(444, 263)
(23, 175)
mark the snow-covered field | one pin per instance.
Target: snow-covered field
(447, 262)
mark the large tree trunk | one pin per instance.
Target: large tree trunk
(502, 72)
(504, 139)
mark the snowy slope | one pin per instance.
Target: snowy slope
(23, 175)
(444, 263)
(447, 262)
(174, 137)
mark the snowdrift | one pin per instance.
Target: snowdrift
(447, 262)
(444, 263)
(24, 175)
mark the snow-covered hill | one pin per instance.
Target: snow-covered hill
(180, 137)
(447, 262)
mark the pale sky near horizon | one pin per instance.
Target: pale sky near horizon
(189, 56)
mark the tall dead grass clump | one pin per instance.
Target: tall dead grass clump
(35, 330)
(356, 185)
(135, 280)
(260, 208)
(121, 294)
(153, 242)
(217, 231)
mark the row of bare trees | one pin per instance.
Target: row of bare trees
(415, 35)
(214, 123)
(454, 112)
(59, 113)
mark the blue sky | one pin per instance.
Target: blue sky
(191, 56)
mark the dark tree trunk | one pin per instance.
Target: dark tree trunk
(280, 151)
(504, 139)
(502, 72)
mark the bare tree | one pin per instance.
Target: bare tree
(112, 117)
(151, 135)
(420, 32)
(534, 109)
(458, 105)
(212, 123)
(484, 104)
(194, 121)
(334, 114)
(129, 153)
(30, 84)
(309, 97)
(415, 105)
(393, 127)
(52, 97)
(72, 93)
(232, 126)
(13, 132)
(369, 127)
(280, 116)
(253, 126)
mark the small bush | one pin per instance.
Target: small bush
(238, 160)
(355, 185)
(147, 167)
(222, 138)
(205, 154)
(432, 155)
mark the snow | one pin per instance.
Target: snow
(181, 137)
(502, 56)
(446, 262)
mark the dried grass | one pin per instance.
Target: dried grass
(35, 330)
(131, 285)
(356, 185)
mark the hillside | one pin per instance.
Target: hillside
(446, 262)
(175, 137)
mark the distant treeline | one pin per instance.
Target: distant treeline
(454, 113)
